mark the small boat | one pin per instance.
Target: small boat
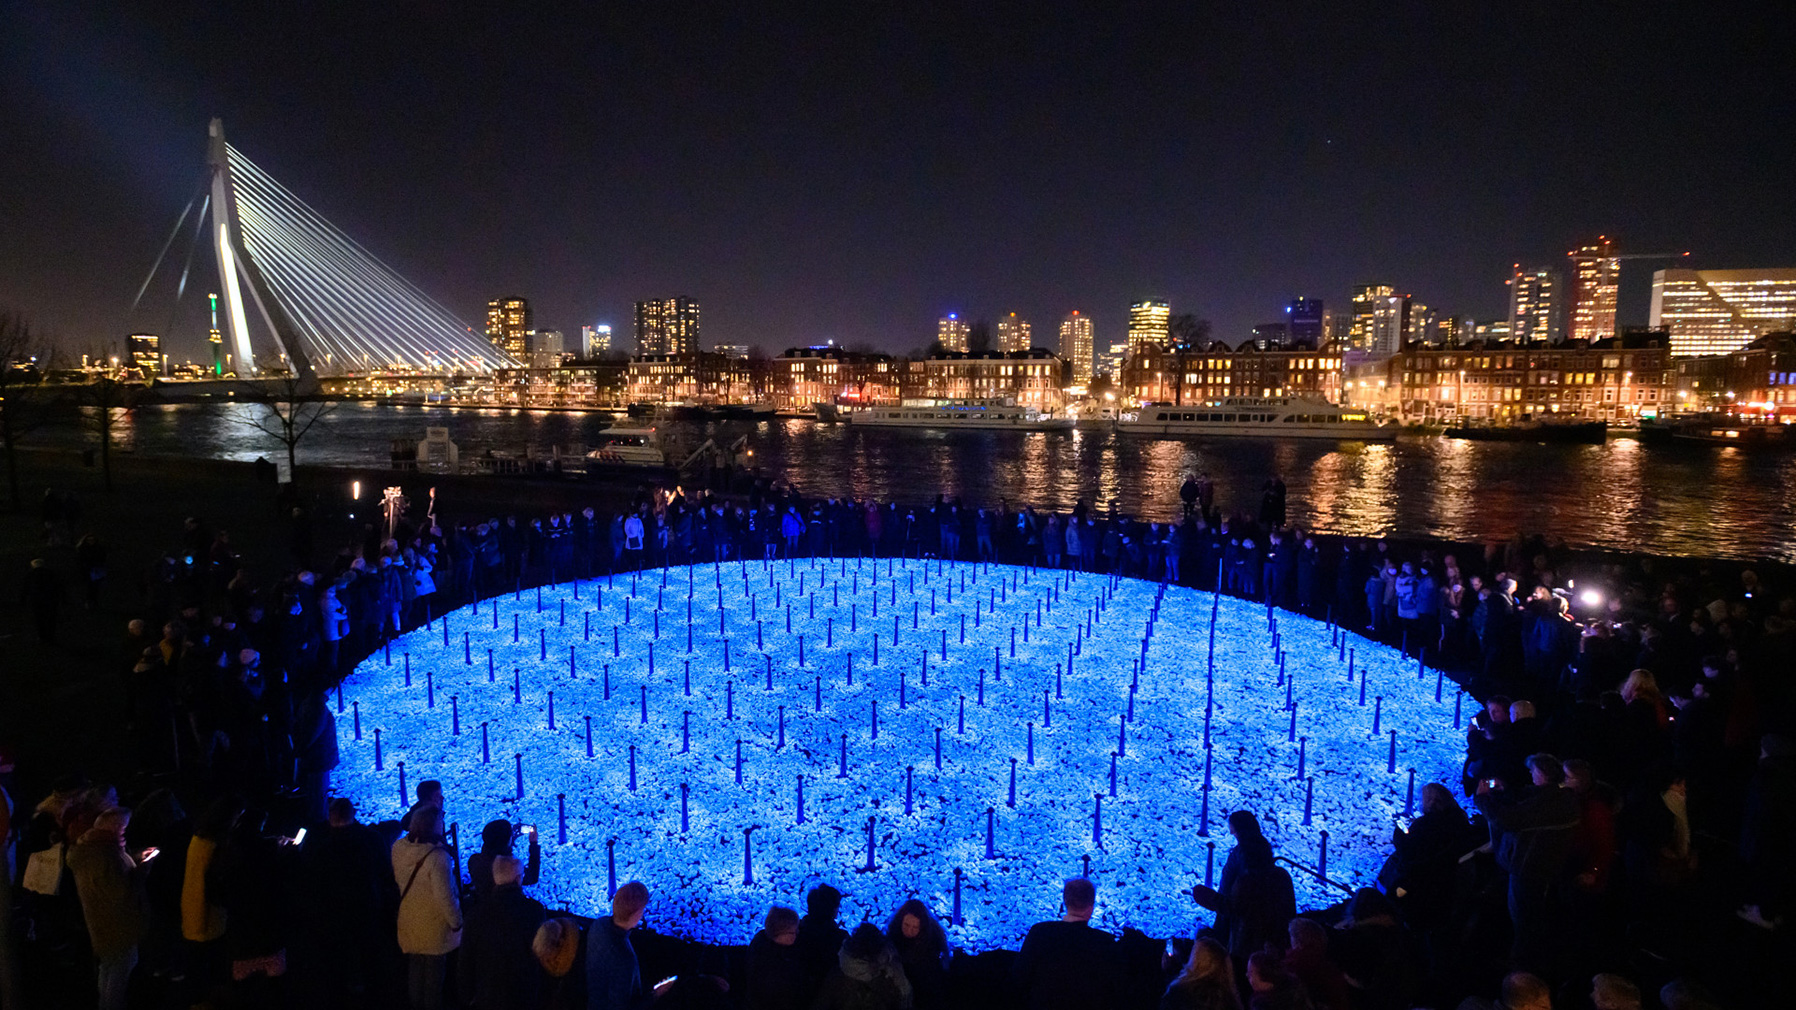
(1256, 417)
(628, 448)
(1535, 430)
(952, 414)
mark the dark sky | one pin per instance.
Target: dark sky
(853, 175)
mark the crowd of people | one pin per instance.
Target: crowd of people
(1630, 783)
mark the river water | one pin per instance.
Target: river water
(1692, 501)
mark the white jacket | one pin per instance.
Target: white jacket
(429, 913)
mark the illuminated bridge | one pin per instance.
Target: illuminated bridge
(297, 287)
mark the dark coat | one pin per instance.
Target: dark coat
(1256, 900)
(1065, 966)
(776, 976)
(613, 976)
(496, 969)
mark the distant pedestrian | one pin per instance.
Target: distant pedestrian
(43, 593)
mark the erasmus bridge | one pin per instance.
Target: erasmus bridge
(297, 289)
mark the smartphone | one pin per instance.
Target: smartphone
(1490, 783)
(299, 837)
(528, 829)
(150, 853)
(669, 980)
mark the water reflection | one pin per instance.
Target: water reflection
(1724, 502)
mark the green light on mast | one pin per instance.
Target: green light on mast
(215, 338)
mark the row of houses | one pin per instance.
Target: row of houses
(1615, 379)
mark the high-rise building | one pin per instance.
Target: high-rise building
(1721, 311)
(1337, 328)
(1595, 279)
(145, 350)
(1013, 333)
(1448, 331)
(667, 326)
(1390, 325)
(508, 325)
(547, 342)
(1149, 324)
(1366, 298)
(1076, 346)
(595, 341)
(1304, 318)
(1535, 305)
(951, 332)
(739, 351)
(1421, 325)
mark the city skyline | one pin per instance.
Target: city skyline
(586, 191)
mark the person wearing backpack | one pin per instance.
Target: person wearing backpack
(429, 913)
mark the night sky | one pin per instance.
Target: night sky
(854, 175)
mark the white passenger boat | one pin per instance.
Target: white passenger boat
(956, 414)
(628, 447)
(1256, 417)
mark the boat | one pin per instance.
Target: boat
(953, 414)
(628, 448)
(1535, 429)
(1256, 417)
(1716, 429)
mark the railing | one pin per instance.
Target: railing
(1314, 872)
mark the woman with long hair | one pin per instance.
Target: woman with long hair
(1207, 982)
(922, 947)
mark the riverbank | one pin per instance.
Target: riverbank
(61, 706)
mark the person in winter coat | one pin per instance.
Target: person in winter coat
(922, 947)
(867, 976)
(253, 878)
(1066, 964)
(1420, 871)
(496, 968)
(349, 889)
(777, 979)
(1376, 954)
(430, 920)
(1207, 982)
(202, 911)
(1273, 988)
(109, 882)
(1768, 833)
(613, 974)
(819, 937)
(1075, 544)
(1256, 899)
(1534, 829)
(792, 530)
(496, 839)
(558, 947)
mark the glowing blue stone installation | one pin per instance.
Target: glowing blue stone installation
(1160, 673)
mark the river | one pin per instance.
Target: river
(1714, 502)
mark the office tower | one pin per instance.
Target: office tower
(145, 351)
(951, 333)
(1366, 299)
(1148, 324)
(595, 341)
(1271, 336)
(1721, 311)
(1390, 325)
(738, 351)
(508, 325)
(1337, 328)
(667, 326)
(1534, 306)
(1448, 331)
(1076, 345)
(1421, 325)
(1013, 333)
(1304, 318)
(1595, 279)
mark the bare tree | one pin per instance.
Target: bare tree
(979, 337)
(286, 413)
(107, 401)
(1187, 332)
(21, 350)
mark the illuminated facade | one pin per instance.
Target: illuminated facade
(1148, 325)
(590, 384)
(1759, 378)
(1595, 280)
(1076, 345)
(508, 325)
(1161, 375)
(145, 351)
(694, 377)
(595, 341)
(667, 326)
(1271, 336)
(805, 376)
(1721, 311)
(951, 333)
(1031, 378)
(1391, 325)
(1611, 380)
(1535, 306)
(1013, 334)
(1366, 300)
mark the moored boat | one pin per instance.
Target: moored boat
(1256, 417)
(956, 413)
